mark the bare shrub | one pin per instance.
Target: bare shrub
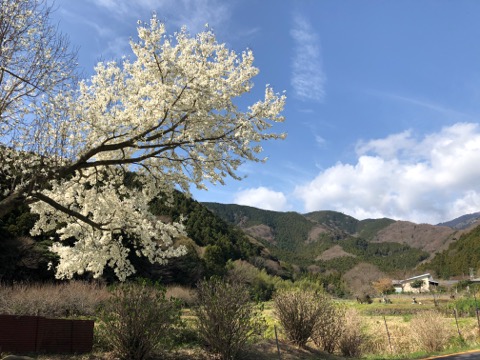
(330, 326)
(359, 279)
(430, 330)
(299, 311)
(138, 320)
(69, 299)
(227, 319)
(352, 338)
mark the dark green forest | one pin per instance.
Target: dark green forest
(293, 245)
(461, 256)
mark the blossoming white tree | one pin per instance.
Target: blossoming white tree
(169, 115)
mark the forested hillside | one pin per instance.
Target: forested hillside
(461, 256)
(366, 229)
(303, 239)
(286, 230)
(211, 243)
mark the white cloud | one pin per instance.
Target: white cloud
(432, 179)
(308, 79)
(262, 198)
(388, 147)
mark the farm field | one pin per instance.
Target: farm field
(389, 329)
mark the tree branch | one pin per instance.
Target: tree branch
(68, 211)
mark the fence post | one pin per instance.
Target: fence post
(456, 321)
(276, 339)
(476, 309)
(388, 333)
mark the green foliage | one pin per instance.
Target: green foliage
(290, 229)
(23, 257)
(466, 306)
(417, 284)
(322, 283)
(387, 256)
(138, 321)
(261, 286)
(293, 243)
(368, 228)
(335, 220)
(227, 319)
(340, 264)
(460, 256)
(222, 241)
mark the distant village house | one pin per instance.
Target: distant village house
(416, 284)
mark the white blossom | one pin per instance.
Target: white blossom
(169, 115)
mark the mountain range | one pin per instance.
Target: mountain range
(344, 253)
(328, 241)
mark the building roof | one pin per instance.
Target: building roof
(427, 275)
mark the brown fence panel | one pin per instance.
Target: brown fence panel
(18, 333)
(39, 334)
(82, 341)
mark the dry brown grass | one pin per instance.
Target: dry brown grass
(431, 331)
(185, 294)
(353, 339)
(265, 350)
(69, 299)
(400, 336)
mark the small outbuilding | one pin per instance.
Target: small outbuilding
(415, 284)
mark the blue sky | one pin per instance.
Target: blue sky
(383, 97)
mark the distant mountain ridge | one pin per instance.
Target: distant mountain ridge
(463, 222)
(304, 239)
(333, 241)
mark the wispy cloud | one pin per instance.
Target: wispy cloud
(308, 78)
(422, 103)
(195, 14)
(429, 179)
(320, 141)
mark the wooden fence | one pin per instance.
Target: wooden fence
(35, 334)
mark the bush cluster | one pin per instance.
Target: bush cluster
(138, 319)
(226, 317)
(309, 315)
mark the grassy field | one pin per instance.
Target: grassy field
(391, 330)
